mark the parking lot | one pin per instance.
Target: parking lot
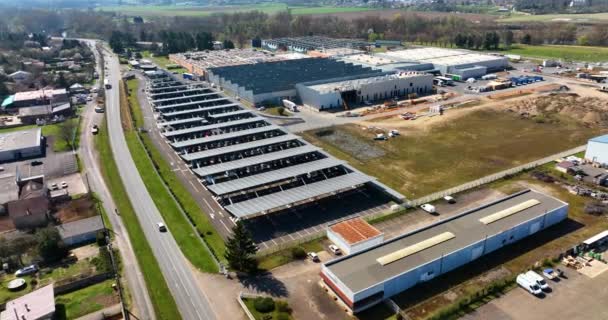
(577, 297)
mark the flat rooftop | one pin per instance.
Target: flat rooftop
(356, 84)
(354, 230)
(362, 270)
(21, 139)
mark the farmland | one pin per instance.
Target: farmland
(568, 53)
(446, 153)
(269, 8)
(573, 18)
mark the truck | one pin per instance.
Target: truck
(188, 76)
(528, 284)
(291, 106)
(538, 279)
(490, 76)
(106, 84)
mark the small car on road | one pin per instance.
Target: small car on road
(335, 250)
(161, 227)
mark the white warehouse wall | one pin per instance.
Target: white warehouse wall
(597, 152)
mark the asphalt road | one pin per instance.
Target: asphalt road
(190, 300)
(142, 306)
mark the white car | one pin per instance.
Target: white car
(449, 199)
(54, 186)
(428, 208)
(64, 184)
(314, 257)
(161, 227)
(95, 129)
(335, 250)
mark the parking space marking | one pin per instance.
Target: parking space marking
(228, 229)
(194, 186)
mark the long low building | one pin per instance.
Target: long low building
(22, 144)
(330, 95)
(365, 278)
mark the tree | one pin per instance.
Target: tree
(61, 81)
(526, 39)
(3, 90)
(508, 39)
(116, 42)
(240, 249)
(67, 130)
(228, 44)
(50, 246)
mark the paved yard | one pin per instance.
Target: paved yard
(578, 297)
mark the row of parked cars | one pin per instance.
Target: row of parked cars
(535, 283)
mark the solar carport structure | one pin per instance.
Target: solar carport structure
(251, 166)
(366, 278)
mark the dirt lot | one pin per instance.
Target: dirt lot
(435, 153)
(76, 210)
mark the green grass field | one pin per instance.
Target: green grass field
(568, 53)
(420, 162)
(164, 305)
(84, 301)
(269, 8)
(50, 130)
(178, 224)
(162, 61)
(573, 18)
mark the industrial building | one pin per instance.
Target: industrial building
(21, 144)
(23, 99)
(597, 150)
(273, 81)
(304, 44)
(354, 235)
(365, 278)
(350, 92)
(198, 62)
(251, 166)
(36, 305)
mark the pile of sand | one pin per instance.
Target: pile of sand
(589, 110)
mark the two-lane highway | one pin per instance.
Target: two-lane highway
(190, 300)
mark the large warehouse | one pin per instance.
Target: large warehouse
(273, 81)
(350, 92)
(304, 44)
(251, 166)
(21, 144)
(597, 150)
(364, 279)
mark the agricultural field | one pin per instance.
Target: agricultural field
(572, 18)
(567, 53)
(269, 8)
(438, 153)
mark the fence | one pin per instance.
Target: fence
(492, 177)
(82, 283)
(242, 303)
(433, 196)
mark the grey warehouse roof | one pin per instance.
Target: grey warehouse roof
(361, 270)
(21, 139)
(78, 227)
(248, 208)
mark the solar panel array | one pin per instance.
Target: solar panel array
(250, 165)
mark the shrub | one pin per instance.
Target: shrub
(281, 111)
(298, 253)
(263, 305)
(283, 306)
(33, 282)
(101, 239)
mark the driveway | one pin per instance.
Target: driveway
(578, 297)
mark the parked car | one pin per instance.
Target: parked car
(314, 257)
(536, 278)
(528, 284)
(161, 227)
(54, 186)
(64, 184)
(335, 250)
(36, 163)
(31, 269)
(428, 208)
(95, 129)
(99, 109)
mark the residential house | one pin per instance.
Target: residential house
(81, 231)
(36, 305)
(564, 166)
(20, 76)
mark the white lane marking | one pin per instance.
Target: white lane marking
(222, 221)
(194, 186)
(208, 205)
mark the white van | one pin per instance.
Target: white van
(538, 279)
(428, 208)
(528, 284)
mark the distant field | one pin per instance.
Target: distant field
(574, 53)
(150, 11)
(450, 153)
(574, 18)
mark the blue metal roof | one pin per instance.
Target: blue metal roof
(600, 139)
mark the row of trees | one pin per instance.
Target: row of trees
(487, 41)
(46, 243)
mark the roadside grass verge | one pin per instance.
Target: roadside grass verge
(162, 300)
(163, 185)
